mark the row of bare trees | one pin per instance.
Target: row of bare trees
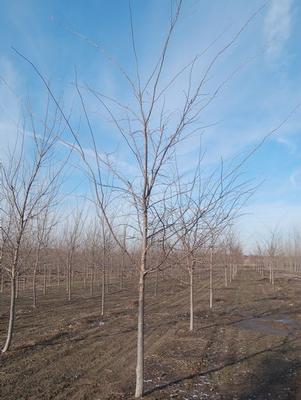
(46, 265)
(151, 212)
(30, 182)
(278, 255)
(186, 223)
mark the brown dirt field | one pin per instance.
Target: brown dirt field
(247, 347)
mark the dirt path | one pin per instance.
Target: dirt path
(247, 347)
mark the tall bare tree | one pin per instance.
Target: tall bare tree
(72, 234)
(152, 134)
(43, 226)
(30, 183)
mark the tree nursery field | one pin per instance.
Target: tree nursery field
(150, 185)
(248, 346)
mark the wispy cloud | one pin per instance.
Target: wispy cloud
(289, 144)
(9, 104)
(277, 26)
(295, 178)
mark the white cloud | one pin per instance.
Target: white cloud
(9, 103)
(295, 178)
(289, 144)
(277, 26)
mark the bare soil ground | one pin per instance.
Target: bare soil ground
(247, 347)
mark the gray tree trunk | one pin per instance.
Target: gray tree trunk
(103, 292)
(156, 283)
(69, 280)
(11, 314)
(44, 281)
(140, 337)
(211, 279)
(92, 282)
(191, 325)
(85, 277)
(34, 290)
(2, 283)
(17, 287)
(58, 275)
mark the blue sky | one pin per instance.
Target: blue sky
(264, 89)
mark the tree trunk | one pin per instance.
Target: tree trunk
(233, 271)
(2, 283)
(58, 275)
(49, 277)
(121, 279)
(226, 278)
(34, 291)
(98, 277)
(103, 287)
(156, 283)
(44, 281)
(108, 276)
(211, 279)
(140, 337)
(92, 282)
(85, 277)
(17, 286)
(66, 276)
(122, 271)
(11, 313)
(14, 276)
(191, 299)
(273, 275)
(69, 280)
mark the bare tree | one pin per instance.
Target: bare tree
(44, 224)
(92, 250)
(152, 134)
(272, 250)
(207, 207)
(72, 234)
(30, 183)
